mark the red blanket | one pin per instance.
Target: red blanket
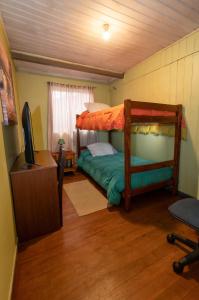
(113, 118)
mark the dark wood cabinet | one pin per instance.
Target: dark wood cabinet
(35, 196)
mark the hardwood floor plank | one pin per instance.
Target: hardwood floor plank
(109, 255)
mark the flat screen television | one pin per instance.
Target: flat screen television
(28, 140)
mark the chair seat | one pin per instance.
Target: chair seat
(187, 211)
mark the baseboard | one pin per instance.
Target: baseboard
(184, 195)
(12, 274)
(180, 194)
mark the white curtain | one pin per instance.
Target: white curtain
(65, 101)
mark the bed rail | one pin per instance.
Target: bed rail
(154, 119)
(152, 187)
(151, 105)
(149, 167)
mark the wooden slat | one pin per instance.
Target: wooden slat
(131, 248)
(154, 106)
(148, 167)
(152, 187)
(153, 119)
(60, 72)
(71, 30)
(62, 64)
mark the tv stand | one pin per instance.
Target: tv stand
(35, 196)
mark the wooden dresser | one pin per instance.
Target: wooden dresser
(35, 196)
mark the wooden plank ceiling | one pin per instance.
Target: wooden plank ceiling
(71, 30)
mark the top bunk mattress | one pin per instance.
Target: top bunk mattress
(113, 117)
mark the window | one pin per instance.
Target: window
(64, 103)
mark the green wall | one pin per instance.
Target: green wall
(10, 140)
(169, 76)
(33, 88)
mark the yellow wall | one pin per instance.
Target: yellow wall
(33, 88)
(9, 138)
(169, 76)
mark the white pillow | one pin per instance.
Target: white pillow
(101, 149)
(94, 106)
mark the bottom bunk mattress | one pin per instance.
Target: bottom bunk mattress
(108, 172)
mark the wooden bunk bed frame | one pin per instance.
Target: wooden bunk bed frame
(129, 119)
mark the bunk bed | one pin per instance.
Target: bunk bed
(122, 117)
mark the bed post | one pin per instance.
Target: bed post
(127, 153)
(78, 139)
(177, 148)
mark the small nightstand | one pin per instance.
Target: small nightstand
(70, 160)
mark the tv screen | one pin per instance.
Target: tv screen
(27, 127)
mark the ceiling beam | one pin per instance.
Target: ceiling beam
(44, 60)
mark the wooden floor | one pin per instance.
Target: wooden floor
(108, 255)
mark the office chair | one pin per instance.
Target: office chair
(186, 211)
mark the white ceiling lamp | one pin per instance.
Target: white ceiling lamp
(106, 32)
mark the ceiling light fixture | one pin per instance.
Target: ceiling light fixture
(106, 33)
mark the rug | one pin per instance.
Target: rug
(85, 198)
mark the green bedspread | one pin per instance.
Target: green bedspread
(108, 172)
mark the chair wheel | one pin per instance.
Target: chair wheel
(171, 238)
(178, 267)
